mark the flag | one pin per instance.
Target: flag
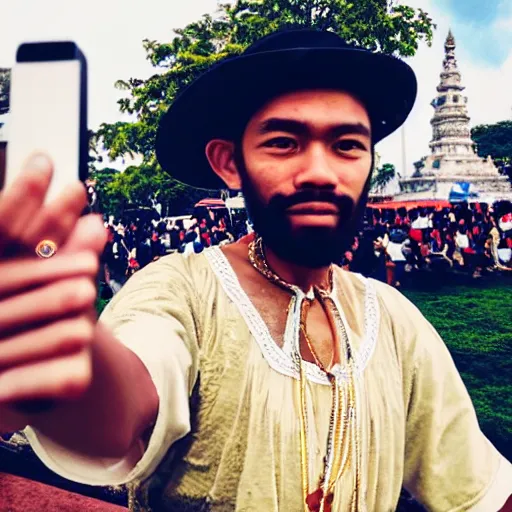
(461, 191)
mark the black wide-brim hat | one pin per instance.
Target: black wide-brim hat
(220, 103)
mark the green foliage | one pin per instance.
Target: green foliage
(101, 304)
(374, 24)
(143, 186)
(127, 139)
(476, 325)
(382, 177)
(5, 84)
(494, 140)
(109, 203)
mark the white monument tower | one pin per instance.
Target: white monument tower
(453, 158)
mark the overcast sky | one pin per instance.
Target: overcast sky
(110, 32)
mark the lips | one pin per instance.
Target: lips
(314, 208)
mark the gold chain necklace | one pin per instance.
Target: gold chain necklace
(343, 446)
(308, 340)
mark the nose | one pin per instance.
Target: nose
(315, 170)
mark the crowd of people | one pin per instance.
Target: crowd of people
(475, 238)
(134, 243)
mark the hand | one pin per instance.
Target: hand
(47, 315)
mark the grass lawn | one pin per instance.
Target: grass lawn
(475, 320)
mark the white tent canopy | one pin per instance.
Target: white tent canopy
(235, 203)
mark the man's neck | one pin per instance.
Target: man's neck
(303, 277)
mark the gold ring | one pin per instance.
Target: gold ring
(46, 248)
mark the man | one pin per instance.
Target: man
(398, 241)
(115, 261)
(259, 376)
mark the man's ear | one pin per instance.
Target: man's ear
(221, 155)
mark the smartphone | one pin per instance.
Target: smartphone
(48, 112)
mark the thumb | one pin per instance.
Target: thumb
(89, 235)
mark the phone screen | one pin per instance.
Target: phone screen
(45, 117)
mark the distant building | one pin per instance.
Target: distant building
(453, 163)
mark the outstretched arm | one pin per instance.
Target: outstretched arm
(118, 407)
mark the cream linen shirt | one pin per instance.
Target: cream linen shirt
(227, 432)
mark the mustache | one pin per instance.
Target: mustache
(344, 203)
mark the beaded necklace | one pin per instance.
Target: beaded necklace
(343, 444)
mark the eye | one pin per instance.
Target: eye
(281, 143)
(347, 145)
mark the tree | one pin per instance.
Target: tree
(495, 140)
(383, 176)
(5, 85)
(109, 203)
(375, 24)
(142, 186)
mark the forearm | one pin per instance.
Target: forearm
(119, 406)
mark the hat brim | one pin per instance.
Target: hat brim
(220, 102)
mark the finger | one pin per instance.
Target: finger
(21, 201)
(57, 220)
(90, 235)
(19, 275)
(63, 378)
(54, 340)
(43, 304)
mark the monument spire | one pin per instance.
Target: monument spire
(450, 124)
(450, 68)
(453, 158)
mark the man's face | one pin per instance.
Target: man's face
(306, 159)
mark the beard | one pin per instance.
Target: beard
(311, 247)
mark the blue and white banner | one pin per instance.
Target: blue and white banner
(462, 191)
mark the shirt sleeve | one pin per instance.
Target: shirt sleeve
(450, 465)
(153, 316)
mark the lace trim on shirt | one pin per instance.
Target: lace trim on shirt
(279, 360)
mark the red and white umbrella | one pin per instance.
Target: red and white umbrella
(211, 203)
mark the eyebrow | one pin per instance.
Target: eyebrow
(299, 128)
